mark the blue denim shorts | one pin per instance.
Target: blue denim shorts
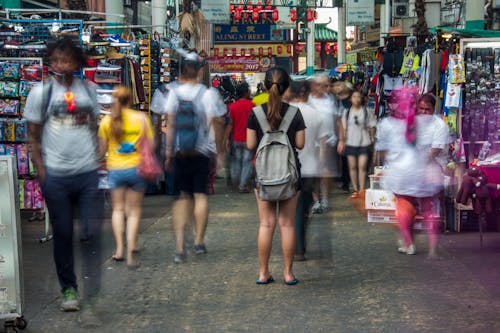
(126, 178)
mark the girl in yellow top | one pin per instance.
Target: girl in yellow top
(119, 135)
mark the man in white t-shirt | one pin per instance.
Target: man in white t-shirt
(325, 104)
(191, 168)
(310, 157)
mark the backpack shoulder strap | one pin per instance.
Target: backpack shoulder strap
(347, 119)
(46, 97)
(261, 118)
(288, 118)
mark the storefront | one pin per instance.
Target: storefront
(464, 74)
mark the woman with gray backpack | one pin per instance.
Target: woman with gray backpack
(276, 129)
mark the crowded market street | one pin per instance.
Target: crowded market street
(354, 280)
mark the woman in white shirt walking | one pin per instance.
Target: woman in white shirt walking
(358, 126)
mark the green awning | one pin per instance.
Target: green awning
(480, 33)
(324, 34)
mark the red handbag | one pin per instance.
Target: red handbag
(149, 168)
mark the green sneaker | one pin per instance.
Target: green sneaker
(70, 300)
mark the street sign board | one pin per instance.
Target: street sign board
(360, 12)
(216, 11)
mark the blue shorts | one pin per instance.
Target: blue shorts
(126, 178)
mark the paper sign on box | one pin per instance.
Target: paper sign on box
(380, 199)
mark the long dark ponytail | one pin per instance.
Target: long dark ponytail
(276, 81)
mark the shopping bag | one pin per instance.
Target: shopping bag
(149, 168)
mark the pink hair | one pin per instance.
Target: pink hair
(406, 99)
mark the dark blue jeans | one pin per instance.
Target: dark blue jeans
(66, 196)
(241, 165)
(304, 204)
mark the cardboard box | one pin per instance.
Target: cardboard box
(379, 200)
(382, 216)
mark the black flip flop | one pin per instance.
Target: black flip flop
(292, 282)
(116, 258)
(270, 279)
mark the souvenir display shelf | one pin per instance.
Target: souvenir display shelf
(18, 76)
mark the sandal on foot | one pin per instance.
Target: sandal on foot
(270, 279)
(115, 258)
(292, 282)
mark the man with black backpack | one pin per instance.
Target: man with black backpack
(190, 145)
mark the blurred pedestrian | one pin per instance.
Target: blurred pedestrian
(190, 108)
(62, 123)
(359, 130)
(324, 102)
(413, 149)
(342, 91)
(311, 156)
(241, 161)
(276, 212)
(119, 135)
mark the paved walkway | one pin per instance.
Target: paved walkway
(353, 281)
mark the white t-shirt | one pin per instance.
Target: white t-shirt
(432, 132)
(315, 131)
(69, 139)
(357, 127)
(327, 108)
(403, 169)
(213, 106)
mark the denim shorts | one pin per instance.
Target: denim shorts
(126, 178)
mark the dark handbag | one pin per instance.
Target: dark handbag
(149, 168)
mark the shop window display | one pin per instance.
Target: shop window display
(19, 75)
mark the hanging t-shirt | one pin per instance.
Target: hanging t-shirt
(453, 95)
(124, 154)
(411, 62)
(392, 83)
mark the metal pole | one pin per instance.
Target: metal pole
(387, 21)
(341, 34)
(310, 49)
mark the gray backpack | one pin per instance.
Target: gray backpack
(275, 164)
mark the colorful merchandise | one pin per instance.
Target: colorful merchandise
(8, 106)
(29, 186)
(31, 165)
(9, 130)
(10, 149)
(2, 130)
(21, 130)
(456, 68)
(31, 72)
(453, 97)
(9, 89)
(2, 149)
(22, 160)
(9, 70)
(37, 196)
(25, 87)
(21, 193)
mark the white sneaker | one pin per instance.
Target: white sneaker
(316, 208)
(402, 249)
(325, 206)
(408, 250)
(411, 250)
